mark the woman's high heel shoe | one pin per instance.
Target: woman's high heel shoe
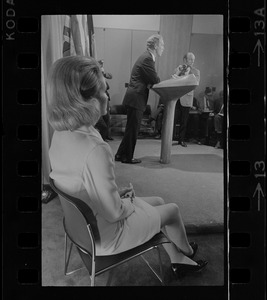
(182, 269)
(194, 246)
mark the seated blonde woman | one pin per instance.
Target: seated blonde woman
(83, 166)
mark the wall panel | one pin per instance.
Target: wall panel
(176, 32)
(208, 49)
(133, 22)
(117, 57)
(99, 42)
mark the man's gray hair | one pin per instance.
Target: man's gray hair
(188, 53)
(153, 41)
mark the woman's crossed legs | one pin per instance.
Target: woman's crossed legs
(172, 225)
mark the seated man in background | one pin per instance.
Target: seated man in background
(205, 109)
(218, 120)
(159, 121)
(157, 117)
(194, 122)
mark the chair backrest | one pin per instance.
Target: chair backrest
(79, 221)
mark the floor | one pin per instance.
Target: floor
(193, 179)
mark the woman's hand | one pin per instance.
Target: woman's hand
(127, 192)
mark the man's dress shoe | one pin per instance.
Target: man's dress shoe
(183, 144)
(182, 269)
(131, 161)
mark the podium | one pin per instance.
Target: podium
(170, 91)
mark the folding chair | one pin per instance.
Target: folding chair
(81, 229)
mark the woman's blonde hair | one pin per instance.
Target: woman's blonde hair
(73, 87)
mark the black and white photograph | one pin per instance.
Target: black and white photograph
(133, 150)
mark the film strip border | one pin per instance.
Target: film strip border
(22, 192)
(246, 134)
(22, 149)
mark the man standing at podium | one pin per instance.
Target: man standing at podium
(184, 104)
(143, 76)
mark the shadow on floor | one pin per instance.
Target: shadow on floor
(211, 163)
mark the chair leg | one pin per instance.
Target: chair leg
(92, 276)
(160, 278)
(110, 275)
(160, 267)
(92, 280)
(67, 257)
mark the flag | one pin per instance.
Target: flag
(71, 36)
(78, 36)
(91, 34)
(66, 36)
(86, 36)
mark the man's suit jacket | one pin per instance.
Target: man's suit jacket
(201, 104)
(143, 74)
(187, 99)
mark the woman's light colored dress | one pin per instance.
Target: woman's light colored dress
(83, 166)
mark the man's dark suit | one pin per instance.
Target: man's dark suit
(135, 101)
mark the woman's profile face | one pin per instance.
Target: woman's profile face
(103, 98)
